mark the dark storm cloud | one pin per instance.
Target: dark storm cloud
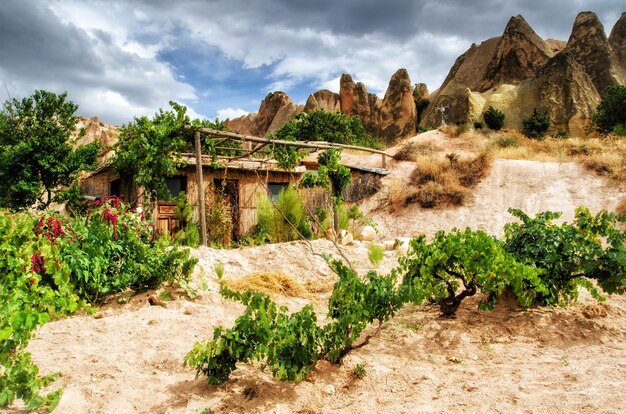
(39, 51)
(125, 58)
(36, 44)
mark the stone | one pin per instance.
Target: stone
(368, 233)
(284, 114)
(345, 237)
(245, 125)
(520, 53)
(617, 41)
(268, 110)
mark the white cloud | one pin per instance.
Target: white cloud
(231, 113)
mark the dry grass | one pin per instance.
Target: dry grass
(605, 156)
(446, 180)
(395, 194)
(454, 130)
(271, 283)
(621, 206)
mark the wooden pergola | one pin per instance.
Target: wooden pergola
(253, 145)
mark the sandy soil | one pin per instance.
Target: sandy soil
(128, 358)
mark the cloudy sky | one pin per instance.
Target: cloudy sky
(121, 59)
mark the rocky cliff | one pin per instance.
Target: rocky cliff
(516, 73)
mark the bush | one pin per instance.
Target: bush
(458, 264)
(591, 247)
(611, 112)
(478, 125)
(114, 249)
(326, 126)
(536, 125)
(375, 254)
(494, 118)
(506, 141)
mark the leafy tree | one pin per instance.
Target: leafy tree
(611, 113)
(591, 247)
(494, 118)
(335, 127)
(38, 153)
(149, 150)
(536, 125)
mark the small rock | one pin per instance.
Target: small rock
(368, 233)
(346, 237)
(389, 244)
(329, 389)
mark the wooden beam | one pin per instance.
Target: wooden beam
(300, 144)
(200, 177)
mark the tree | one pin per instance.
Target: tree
(536, 125)
(148, 150)
(611, 112)
(38, 153)
(494, 118)
(335, 127)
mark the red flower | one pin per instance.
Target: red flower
(111, 218)
(37, 263)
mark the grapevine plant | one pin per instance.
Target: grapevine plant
(539, 262)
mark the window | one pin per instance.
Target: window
(275, 189)
(115, 188)
(177, 184)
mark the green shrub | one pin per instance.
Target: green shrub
(506, 141)
(285, 220)
(620, 130)
(458, 264)
(376, 254)
(189, 234)
(570, 254)
(612, 110)
(478, 125)
(494, 118)
(536, 125)
(114, 249)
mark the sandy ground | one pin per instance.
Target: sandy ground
(128, 358)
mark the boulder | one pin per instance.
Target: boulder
(368, 233)
(345, 237)
(323, 100)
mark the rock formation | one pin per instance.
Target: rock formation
(518, 55)
(516, 73)
(590, 47)
(94, 130)
(398, 114)
(323, 100)
(617, 41)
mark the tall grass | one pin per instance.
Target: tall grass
(446, 180)
(285, 220)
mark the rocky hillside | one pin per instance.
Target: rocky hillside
(519, 71)
(515, 72)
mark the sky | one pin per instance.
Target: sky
(123, 59)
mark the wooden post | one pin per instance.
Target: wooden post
(196, 138)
